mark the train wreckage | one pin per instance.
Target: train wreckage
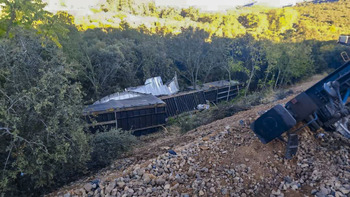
(321, 106)
(146, 108)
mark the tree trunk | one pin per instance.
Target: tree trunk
(229, 86)
(249, 81)
(267, 75)
(196, 75)
(282, 80)
(193, 81)
(278, 76)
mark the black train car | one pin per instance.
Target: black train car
(140, 113)
(183, 102)
(213, 92)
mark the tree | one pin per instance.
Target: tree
(300, 65)
(189, 51)
(101, 65)
(250, 52)
(31, 14)
(288, 62)
(217, 59)
(275, 62)
(152, 52)
(21, 13)
(55, 27)
(41, 132)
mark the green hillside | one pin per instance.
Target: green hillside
(51, 65)
(323, 21)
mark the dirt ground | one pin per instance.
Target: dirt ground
(226, 147)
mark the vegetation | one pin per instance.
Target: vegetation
(42, 138)
(107, 146)
(320, 21)
(113, 60)
(53, 64)
(191, 120)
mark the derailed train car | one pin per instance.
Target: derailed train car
(322, 105)
(137, 113)
(145, 108)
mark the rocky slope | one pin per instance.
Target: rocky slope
(225, 158)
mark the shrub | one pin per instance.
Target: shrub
(281, 94)
(42, 142)
(253, 99)
(227, 109)
(108, 146)
(192, 120)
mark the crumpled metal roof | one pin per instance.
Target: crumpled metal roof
(156, 87)
(136, 96)
(115, 105)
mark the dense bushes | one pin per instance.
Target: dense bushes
(281, 94)
(42, 142)
(107, 146)
(42, 139)
(192, 120)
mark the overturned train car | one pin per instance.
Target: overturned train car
(138, 113)
(322, 105)
(143, 113)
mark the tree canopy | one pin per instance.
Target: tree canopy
(320, 21)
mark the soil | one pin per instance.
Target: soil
(262, 168)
